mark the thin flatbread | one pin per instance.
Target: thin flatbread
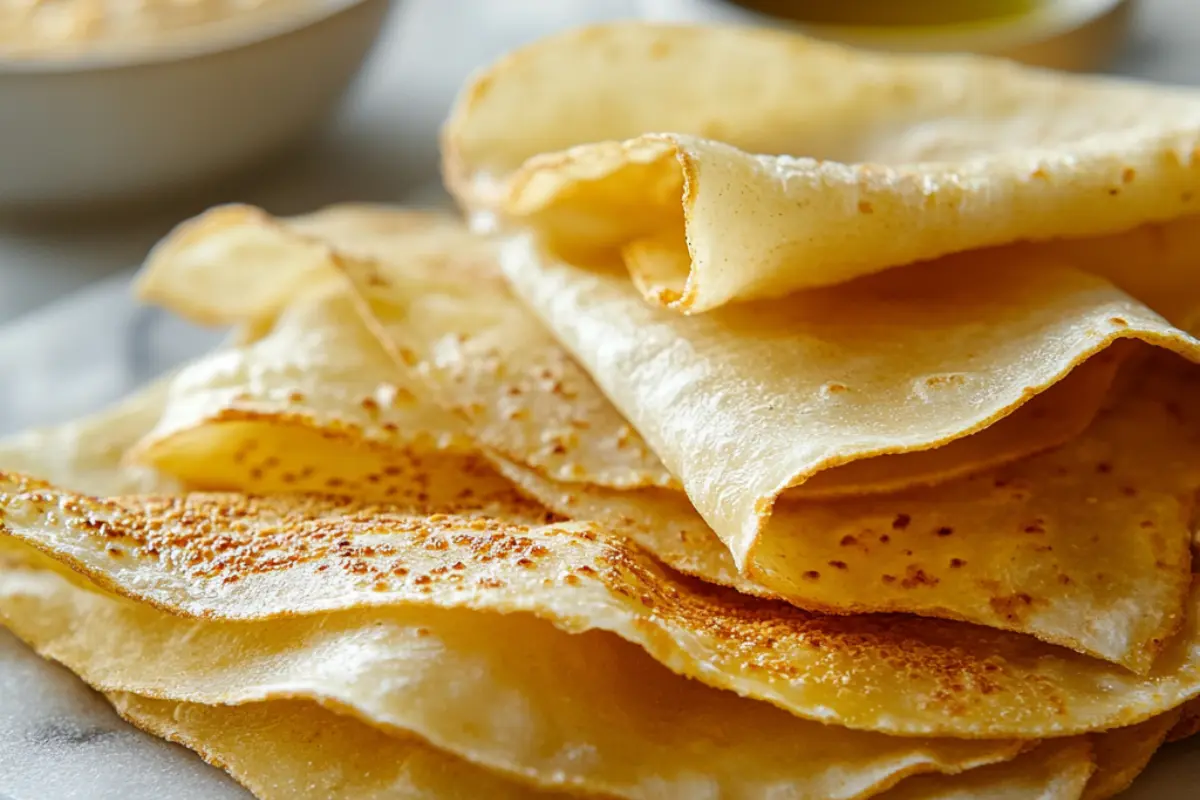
(297, 750)
(61, 617)
(271, 261)
(463, 680)
(88, 454)
(313, 404)
(316, 367)
(1056, 770)
(1157, 264)
(189, 269)
(1123, 754)
(906, 361)
(482, 355)
(457, 314)
(243, 558)
(1087, 545)
(1188, 724)
(486, 357)
(461, 296)
(271, 748)
(618, 134)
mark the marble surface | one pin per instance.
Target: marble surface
(57, 739)
(62, 741)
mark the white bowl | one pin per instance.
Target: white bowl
(121, 126)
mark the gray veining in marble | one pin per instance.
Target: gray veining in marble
(57, 739)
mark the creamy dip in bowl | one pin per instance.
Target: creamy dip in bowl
(58, 28)
(114, 100)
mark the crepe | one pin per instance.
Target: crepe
(479, 353)
(296, 750)
(88, 454)
(317, 345)
(489, 359)
(235, 736)
(268, 745)
(463, 299)
(802, 553)
(1131, 587)
(1154, 263)
(1003, 548)
(273, 261)
(295, 446)
(317, 367)
(720, 399)
(822, 365)
(273, 748)
(590, 712)
(1087, 545)
(1089, 768)
(503, 332)
(120, 645)
(286, 556)
(903, 362)
(66, 620)
(1121, 755)
(1056, 770)
(444, 668)
(881, 160)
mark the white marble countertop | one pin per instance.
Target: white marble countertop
(57, 739)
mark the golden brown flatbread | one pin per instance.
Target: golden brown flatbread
(293, 556)
(646, 133)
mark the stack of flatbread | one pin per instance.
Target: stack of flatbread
(794, 422)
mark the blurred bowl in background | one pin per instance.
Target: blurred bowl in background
(126, 124)
(1081, 35)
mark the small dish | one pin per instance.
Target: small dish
(120, 125)
(1079, 35)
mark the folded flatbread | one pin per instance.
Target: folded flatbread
(271, 747)
(787, 163)
(245, 558)
(120, 645)
(465, 682)
(297, 750)
(1023, 212)
(458, 678)
(961, 549)
(543, 422)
